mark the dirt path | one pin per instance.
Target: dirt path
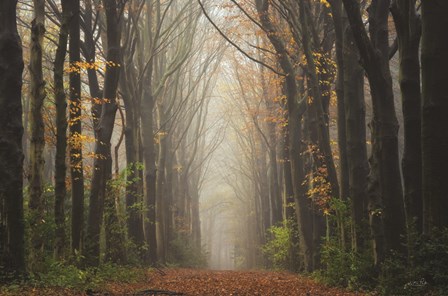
(191, 282)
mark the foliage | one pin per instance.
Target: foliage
(342, 266)
(183, 253)
(426, 271)
(278, 247)
(432, 260)
(58, 274)
(345, 268)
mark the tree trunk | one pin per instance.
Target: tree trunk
(336, 8)
(12, 244)
(304, 219)
(75, 130)
(103, 162)
(37, 144)
(408, 26)
(358, 165)
(289, 205)
(149, 155)
(434, 116)
(61, 136)
(161, 205)
(134, 181)
(386, 207)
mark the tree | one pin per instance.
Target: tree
(408, 26)
(434, 119)
(61, 134)
(75, 128)
(12, 245)
(99, 195)
(386, 210)
(355, 111)
(36, 182)
(304, 217)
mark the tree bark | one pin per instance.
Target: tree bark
(434, 118)
(12, 244)
(408, 26)
(150, 171)
(37, 144)
(336, 8)
(75, 129)
(386, 207)
(61, 135)
(103, 162)
(357, 160)
(304, 219)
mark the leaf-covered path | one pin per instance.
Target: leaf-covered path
(195, 282)
(214, 283)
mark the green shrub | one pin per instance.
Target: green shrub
(431, 261)
(58, 274)
(278, 247)
(345, 268)
(424, 272)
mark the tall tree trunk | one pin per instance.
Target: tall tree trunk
(134, 181)
(386, 206)
(434, 116)
(149, 155)
(37, 144)
(289, 205)
(358, 165)
(12, 245)
(103, 163)
(61, 136)
(336, 8)
(408, 26)
(304, 219)
(316, 107)
(75, 130)
(161, 205)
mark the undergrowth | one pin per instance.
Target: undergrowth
(68, 276)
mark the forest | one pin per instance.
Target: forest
(223, 147)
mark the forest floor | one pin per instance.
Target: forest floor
(195, 282)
